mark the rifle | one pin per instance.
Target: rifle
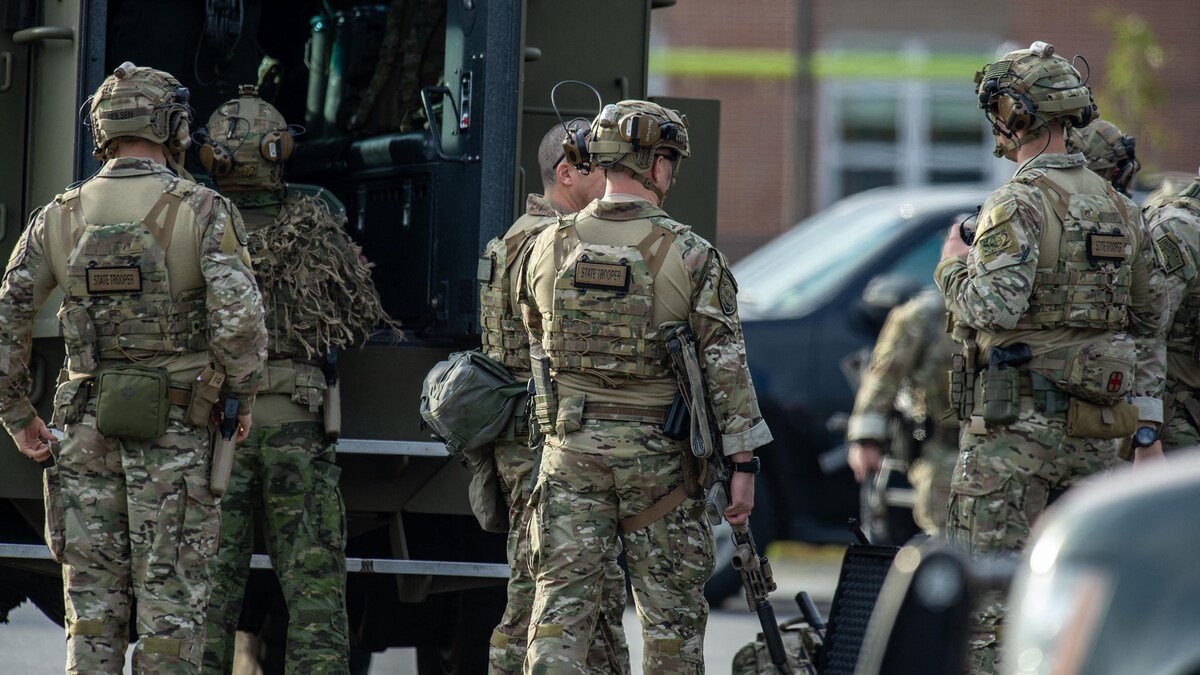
(222, 460)
(715, 474)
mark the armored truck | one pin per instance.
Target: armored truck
(421, 118)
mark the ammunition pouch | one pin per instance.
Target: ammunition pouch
(206, 389)
(962, 387)
(1001, 393)
(1089, 420)
(570, 415)
(309, 385)
(131, 402)
(70, 401)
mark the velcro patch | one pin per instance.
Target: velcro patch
(997, 241)
(727, 293)
(1169, 255)
(603, 276)
(114, 280)
(1106, 246)
(484, 271)
(1002, 213)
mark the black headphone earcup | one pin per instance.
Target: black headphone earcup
(575, 147)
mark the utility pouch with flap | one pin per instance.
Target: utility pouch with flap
(1089, 420)
(131, 402)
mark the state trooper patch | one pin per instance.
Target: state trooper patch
(727, 293)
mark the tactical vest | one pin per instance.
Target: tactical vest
(1184, 332)
(118, 295)
(603, 315)
(503, 332)
(1084, 270)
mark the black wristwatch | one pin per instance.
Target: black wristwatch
(748, 467)
(1145, 437)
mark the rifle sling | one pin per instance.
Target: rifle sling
(656, 510)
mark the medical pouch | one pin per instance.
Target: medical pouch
(1100, 372)
(131, 402)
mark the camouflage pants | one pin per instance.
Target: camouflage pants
(1179, 431)
(930, 476)
(608, 653)
(590, 481)
(138, 523)
(1002, 483)
(287, 471)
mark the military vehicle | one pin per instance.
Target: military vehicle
(422, 117)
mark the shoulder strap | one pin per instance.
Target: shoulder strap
(71, 222)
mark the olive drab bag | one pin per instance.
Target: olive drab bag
(468, 400)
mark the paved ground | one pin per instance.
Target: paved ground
(32, 645)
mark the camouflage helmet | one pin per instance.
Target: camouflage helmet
(1027, 88)
(143, 103)
(1109, 152)
(627, 135)
(246, 143)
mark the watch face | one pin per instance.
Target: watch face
(1144, 437)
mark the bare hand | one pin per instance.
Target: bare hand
(34, 440)
(955, 247)
(243, 430)
(1148, 455)
(741, 498)
(865, 459)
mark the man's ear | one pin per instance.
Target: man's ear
(563, 175)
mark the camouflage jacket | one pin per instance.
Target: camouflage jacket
(694, 285)
(913, 355)
(208, 243)
(992, 297)
(1175, 230)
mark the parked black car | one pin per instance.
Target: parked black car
(800, 299)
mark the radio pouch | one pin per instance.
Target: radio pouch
(132, 402)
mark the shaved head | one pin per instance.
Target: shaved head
(550, 151)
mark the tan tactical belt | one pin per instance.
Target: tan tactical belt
(175, 395)
(625, 413)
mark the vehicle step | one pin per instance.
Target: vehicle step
(361, 565)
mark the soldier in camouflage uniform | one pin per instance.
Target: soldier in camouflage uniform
(601, 287)
(504, 339)
(1175, 230)
(912, 356)
(158, 287)
(1059, 276)
(318, 296)
(1109, 153)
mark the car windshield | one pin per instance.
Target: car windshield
(788, 275)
